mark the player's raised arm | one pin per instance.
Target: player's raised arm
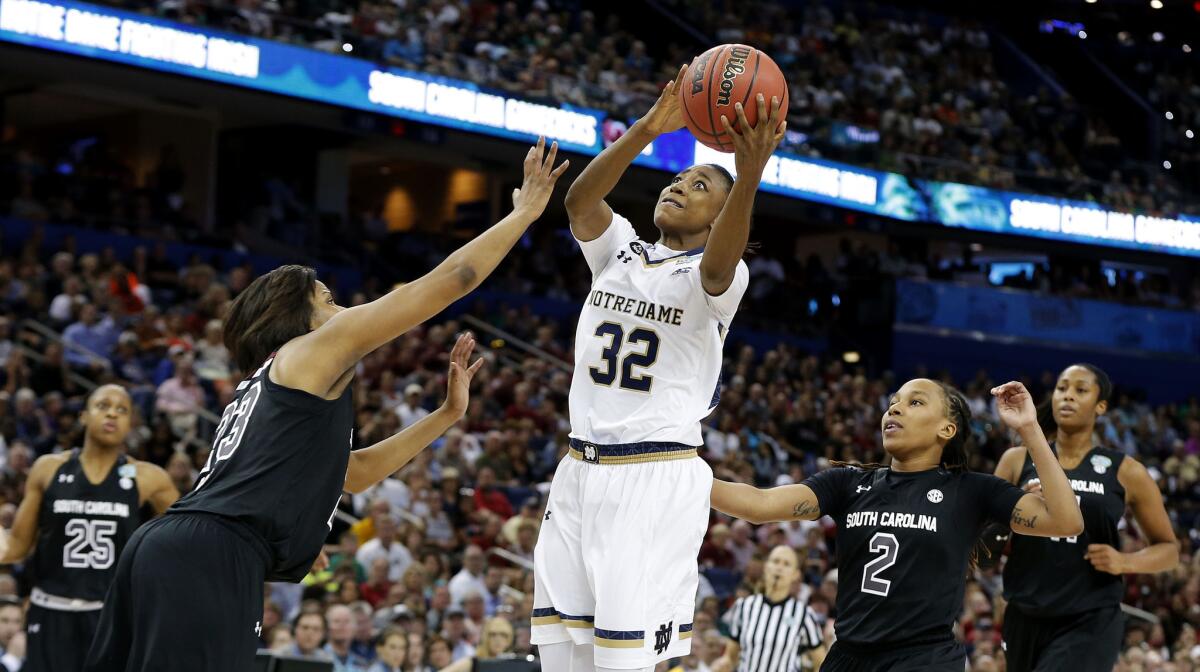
(753, 147)
(1053, 512)
(317, 360)
(588, 212)
(758, 506)
(16, 544)
(371, 465)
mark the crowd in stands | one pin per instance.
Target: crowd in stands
(432, 566)
(912, 93)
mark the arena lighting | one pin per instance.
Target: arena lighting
(1156, 4)
(1169, 115)
(1083, 34)
(1189, 134)
(1157, 36)
(1167, 165)
(851, 357)
(1090, 2)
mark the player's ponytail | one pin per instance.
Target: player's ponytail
(956, 452)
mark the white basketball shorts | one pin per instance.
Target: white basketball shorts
(615, 563)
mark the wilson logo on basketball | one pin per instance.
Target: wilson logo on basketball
(734, 66)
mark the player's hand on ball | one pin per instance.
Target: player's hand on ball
(1106, 559)
(753, 145)
(1015, 405)
(667, 114)
(540, 177)
(458, 388)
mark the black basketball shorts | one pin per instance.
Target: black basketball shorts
(1087, 641)
(57, 641)
(187, 597)
(948, 656)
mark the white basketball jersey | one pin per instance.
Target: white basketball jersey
(648, 345)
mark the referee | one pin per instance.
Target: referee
(771, 630)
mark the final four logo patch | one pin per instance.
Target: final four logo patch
(127, 471)
(1101, 463)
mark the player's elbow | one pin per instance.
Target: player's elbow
(715, 280)
(1072, 527)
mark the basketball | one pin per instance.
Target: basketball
(721, 77)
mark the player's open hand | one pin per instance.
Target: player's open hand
(1015, 405)
(458, 388)
(753, 145)
(540, 177)
(1106, 559)
(667, 114)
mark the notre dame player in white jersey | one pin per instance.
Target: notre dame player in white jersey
(615, 563)
(80, 507)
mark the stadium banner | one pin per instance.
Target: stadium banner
(112, 35)
(1014, 314)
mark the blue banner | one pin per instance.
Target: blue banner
(115, 36)
(1006, 313)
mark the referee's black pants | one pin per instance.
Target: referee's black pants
(187, 597)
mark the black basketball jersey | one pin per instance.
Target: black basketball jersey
(278, 465)
(82, 528)
(1049, 576)
(904, 541)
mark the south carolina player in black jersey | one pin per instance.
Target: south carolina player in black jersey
(1064, 593)
(80, 508)
(906, 532)
(188, 594)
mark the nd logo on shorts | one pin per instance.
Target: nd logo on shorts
(591, 453)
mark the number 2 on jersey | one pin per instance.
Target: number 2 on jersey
(615, 334)
(886, 543)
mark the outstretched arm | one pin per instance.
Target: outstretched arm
(316, 361)
(589, 214)
(1054, 512)
(731, 230)
(758, 506)
(371, 465)
(1162, 550)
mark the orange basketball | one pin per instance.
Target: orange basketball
(721, 77)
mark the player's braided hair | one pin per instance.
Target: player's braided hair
(1045, 412)
(956, 452)
(752, 246)
(273, 310)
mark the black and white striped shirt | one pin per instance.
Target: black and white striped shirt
(772, 635)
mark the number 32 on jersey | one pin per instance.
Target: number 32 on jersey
(641, 353)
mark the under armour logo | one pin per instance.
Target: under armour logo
(34, 628)
(861, 489)
(624, 257)
(662, 638)
(547, 515)
(258, 628)
(66, 478)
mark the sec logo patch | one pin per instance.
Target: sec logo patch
(935, 496)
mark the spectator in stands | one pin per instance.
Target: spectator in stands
(309, 631)
(179, 468)
(488, 496)
(339, 622)
(496, 640)
(387, 545)
(440, 653)
(391, 651)
(90, 341)
(410, 410)
(454, 631)
(377, 586)
(12, 634)
(530, 513)
(181, 398)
